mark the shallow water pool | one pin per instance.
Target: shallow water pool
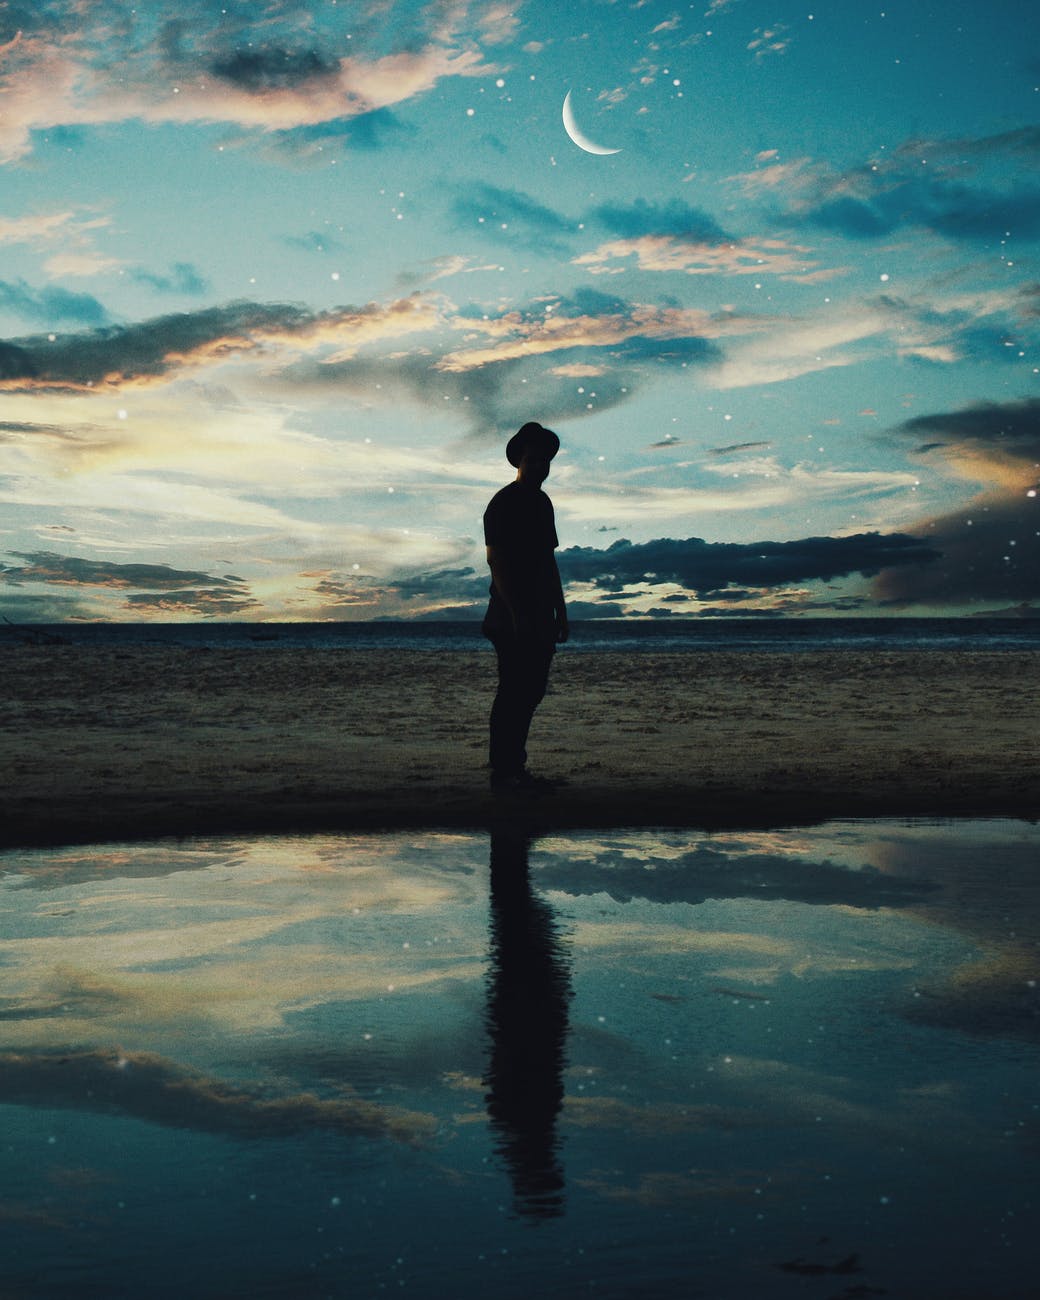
(800, 1063)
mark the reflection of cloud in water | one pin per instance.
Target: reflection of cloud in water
(47, 869)
(997, 996)
(243, 994)
(989, 891)
(146, 1086)
(230, 936)
(734, 1054)
(706, 872)
(359, 860)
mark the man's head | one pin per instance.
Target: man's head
(531, 449)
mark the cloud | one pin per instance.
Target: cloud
(152, 1088)
(505, 358)
(17, 430)
(660, 236)
(193, 604)
(44, 228)
(368, 131)
(181, 278)
(41, 607)
(958, 188)
(151, 350)
(940, 331)
(314, 241)
(73, 571)
(706, 872)
(163, 591)
(988, 439)
(736, 257)
(511, 216)
(675, 219)
(958, 212)
(674, 237)
(498, 23)
(209, 66)
(262, 68)
(587, 322)
(707, 567)
(453, 584)
(450, 593)
(770, 41)
(71, 232)
(1021, 143)
(735, 447)
(991, 547)
(51, 306)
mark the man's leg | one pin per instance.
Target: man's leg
(523, 674)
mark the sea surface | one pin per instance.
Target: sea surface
(789, 1065)
(629, 635)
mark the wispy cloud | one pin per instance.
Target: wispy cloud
(933, 330)
(182, 278)
(511, 216)
(966, 190)
(739, 257)
(768, 42)
(675, 219)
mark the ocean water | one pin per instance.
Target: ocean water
(795, 1063)
(630, 635)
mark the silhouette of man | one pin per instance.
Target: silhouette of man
(526, 616)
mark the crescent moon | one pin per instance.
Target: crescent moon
(577, 134)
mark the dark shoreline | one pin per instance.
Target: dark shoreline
(584, 810)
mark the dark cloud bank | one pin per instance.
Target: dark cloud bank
(990, 548)
(708, 568)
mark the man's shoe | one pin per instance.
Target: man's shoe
(522, 782)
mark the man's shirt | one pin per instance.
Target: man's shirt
(520, 526)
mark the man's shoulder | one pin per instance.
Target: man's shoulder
(503, 496)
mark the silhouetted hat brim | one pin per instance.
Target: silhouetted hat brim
(531, 435)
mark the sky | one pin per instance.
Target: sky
(278, 281)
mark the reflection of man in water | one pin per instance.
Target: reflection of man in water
(528, 992)
(526, 616)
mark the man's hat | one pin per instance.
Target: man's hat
(531, 435)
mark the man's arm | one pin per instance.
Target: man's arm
(502, 579)
(559, 607)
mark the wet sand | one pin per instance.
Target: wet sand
(103, 744)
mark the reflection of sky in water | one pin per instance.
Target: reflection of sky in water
(787, 1064)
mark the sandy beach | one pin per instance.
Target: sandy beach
(103, 744)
